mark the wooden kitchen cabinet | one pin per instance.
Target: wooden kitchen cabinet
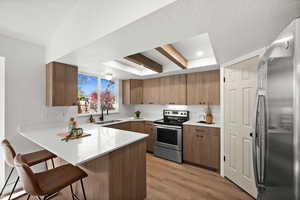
(173, 90)
(149, 129)
(203, 88)
(151, 89)
(201, 146)
(132, 91)
(137, 126)
(61, 84)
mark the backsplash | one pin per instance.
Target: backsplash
(155, 111)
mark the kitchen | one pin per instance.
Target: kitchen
(130, 112)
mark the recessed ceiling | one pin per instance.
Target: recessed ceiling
(189, 48)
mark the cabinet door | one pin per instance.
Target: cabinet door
(147, 91)
(173, 89)
(201, 145)
(155, 91)
(61, 84)
(150, 139)
(164, 96)
(126, 91)
(197, 89)
(213, 87)
(214, 153)
(178, 89)
(188, 143)
(136, 91)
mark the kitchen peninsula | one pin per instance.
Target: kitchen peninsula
(115, 160)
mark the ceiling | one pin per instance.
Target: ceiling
(235, 27)
(32, 20)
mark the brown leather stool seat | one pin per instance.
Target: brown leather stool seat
(30, 159)
(38, 157)
(48, 182)
(54, 180)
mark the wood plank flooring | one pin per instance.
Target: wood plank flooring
(170, 181)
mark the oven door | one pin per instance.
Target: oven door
(168, 136)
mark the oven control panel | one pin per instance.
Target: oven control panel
(176, 113)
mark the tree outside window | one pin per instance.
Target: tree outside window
(89, 88)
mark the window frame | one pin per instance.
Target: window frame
(117, 95)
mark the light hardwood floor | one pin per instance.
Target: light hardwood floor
(170, 181)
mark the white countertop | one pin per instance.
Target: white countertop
(101, 142)
(190, 122)
(195, 123)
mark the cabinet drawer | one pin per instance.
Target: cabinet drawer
(137, 127)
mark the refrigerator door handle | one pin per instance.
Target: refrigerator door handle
(259, 141)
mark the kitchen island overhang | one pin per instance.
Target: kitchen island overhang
(115, 160)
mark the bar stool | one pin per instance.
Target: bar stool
(49, 182)
(30, 159)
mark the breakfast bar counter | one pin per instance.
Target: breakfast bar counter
(115, 160)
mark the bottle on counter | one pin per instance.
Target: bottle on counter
(72, 124)
(209, 117)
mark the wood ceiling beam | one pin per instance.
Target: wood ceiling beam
(172, 54)
(140, 59)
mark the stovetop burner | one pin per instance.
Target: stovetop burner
(174, 117)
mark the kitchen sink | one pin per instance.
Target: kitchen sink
(107, 122)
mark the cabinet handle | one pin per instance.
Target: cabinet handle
(200, 136)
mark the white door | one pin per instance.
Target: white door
(239, 103)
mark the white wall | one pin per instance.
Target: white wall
(156, 111)
(25, 91)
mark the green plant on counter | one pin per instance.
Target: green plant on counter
(137, 113)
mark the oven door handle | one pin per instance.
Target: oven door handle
(169, 127)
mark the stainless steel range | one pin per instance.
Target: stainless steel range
(168, 134)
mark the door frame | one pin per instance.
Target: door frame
(258, 52)
(2, 117)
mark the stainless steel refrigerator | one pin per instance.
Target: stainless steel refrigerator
(276, 138)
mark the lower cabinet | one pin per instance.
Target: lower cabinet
(149, 129)
(201, 146)
(140, 127)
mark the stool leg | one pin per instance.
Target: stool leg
(28, 197)
(12, 191)
(72, 191)
(6, 181)
(83, 191)
(52, 163)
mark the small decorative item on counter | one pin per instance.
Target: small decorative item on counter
(72, 124)
(74, 134)
(92, 119)
(137, 114)
(209, 117)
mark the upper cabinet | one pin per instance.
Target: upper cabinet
(132, 92)
(173, 90)
(199, 88)
(203, 88)
(151, 89)
(61, 84)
